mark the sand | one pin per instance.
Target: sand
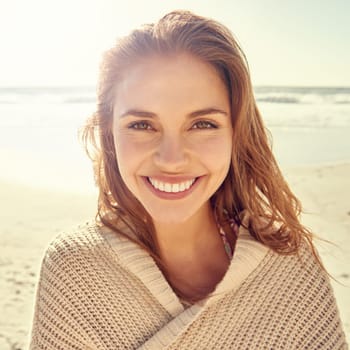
(31, 217)
(325, 192)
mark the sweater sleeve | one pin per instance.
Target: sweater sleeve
(57, 322)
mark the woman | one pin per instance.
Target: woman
(197, 242)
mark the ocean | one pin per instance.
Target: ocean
(39, 144)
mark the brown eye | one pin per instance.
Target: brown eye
(142, 125)
(204, 124)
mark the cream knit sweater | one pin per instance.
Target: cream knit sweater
(98, 290)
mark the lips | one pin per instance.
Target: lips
(172, 187)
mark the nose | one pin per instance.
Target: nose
(171, 154)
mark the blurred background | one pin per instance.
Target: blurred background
(298, 53)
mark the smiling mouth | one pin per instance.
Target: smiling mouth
(171, 187)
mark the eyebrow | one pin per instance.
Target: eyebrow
(147, 114)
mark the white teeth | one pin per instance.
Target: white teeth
(171, 188)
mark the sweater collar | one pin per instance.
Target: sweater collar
(247, 256)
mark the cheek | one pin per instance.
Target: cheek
(215, 151)
(132, 153)
(128, 154)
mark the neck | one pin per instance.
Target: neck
(187, 239)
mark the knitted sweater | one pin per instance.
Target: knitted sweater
(98, 290)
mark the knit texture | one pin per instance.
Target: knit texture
(98, 290)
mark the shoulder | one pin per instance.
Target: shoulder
(305, 261)
(296, 281)
(296, 286)
(79, 248)
(291, 293)
(85, 237)
(301, 268)
(78, 263)
(83, 289)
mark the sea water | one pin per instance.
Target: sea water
(39, 131)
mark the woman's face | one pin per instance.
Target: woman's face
(173, 135)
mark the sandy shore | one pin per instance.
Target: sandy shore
(324, 192)
(32, 217)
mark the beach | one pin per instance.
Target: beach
(32, 217)
(46, 183)
(324, 192)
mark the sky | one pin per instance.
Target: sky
(287, 43)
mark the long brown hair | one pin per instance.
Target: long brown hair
(254, 183)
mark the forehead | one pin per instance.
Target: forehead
(175, 82)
